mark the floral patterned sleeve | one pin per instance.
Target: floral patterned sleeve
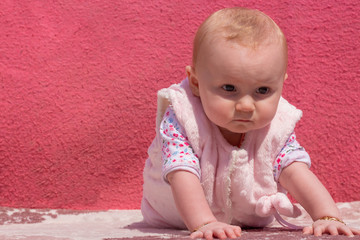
(291, 152)
(177, 154)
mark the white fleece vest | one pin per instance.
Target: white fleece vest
(238, 183)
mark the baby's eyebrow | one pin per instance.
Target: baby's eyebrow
(268, 80)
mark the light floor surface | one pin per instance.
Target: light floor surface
(52, 224)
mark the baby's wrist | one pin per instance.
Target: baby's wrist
(202, 225)
(329, 218)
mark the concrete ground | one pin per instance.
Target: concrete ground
(41, 224)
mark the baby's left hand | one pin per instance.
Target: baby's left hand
(331, 227)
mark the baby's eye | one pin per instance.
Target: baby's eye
(229, 88)
(263, 90)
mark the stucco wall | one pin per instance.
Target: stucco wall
(78, 82)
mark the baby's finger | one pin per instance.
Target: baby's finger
(308, 230)
(208, 235)
(355, 231)
(237, 231)
(346, 231)
(220, 233)
(230, 233)
(196, 234)
(319, 230)
(333, 230)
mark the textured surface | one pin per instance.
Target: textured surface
(37, 224)
(78, 82)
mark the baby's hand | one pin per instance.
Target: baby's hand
(217, 229)
(331, 227)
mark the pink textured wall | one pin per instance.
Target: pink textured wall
(78, 82)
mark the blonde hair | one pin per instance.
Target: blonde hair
(247, 27)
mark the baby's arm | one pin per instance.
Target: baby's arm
(306, 188)
(194, 209)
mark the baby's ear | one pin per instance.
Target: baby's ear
(286, 76)
(193, 81)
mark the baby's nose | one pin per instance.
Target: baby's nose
(245, 104)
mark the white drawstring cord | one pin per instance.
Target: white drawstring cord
(285, 223)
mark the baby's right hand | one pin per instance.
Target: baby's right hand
(217, 229)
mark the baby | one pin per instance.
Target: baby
(225, 151)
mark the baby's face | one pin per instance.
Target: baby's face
(239, 87)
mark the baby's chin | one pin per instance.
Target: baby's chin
(252, 127)
(232, 131)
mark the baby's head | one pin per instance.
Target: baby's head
(247, 27)
(239, 66)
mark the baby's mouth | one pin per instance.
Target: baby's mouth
(242, 120)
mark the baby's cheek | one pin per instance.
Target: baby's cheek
(216, 108)
(267, 113)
